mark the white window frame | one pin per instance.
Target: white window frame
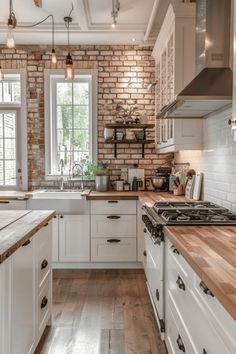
(21, 132)
(51, 77)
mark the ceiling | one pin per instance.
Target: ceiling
(138, 20)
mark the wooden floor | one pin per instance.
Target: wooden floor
(101, 312)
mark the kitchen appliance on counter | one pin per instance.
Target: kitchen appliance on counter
(161, 179)
(172, 213)
(139, 175)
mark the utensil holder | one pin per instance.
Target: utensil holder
(178, 190)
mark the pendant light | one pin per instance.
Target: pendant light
(11, 23)
(1, 74)
(69, 70)
(53, 58)
(114, 12)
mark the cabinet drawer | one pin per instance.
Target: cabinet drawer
(12, 204)
(176, 339)
(113, 207)
(224, 324)
(44, 243)
(44, 305)
(113, 225)
(113, 250)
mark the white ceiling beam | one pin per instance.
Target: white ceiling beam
(151, 20)
(81, 14)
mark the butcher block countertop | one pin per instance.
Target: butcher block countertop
(211, 252)
(144, 197)
(17, 226)
(13, 195)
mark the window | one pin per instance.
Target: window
(72, 122)
(13, 132)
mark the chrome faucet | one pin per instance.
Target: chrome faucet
(77, 163)
(61, 180)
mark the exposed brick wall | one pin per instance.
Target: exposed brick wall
(124, 73)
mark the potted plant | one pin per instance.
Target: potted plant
(98, 172)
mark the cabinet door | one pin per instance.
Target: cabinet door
(23, 299)
(74, 240)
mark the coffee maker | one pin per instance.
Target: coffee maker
(161, 179)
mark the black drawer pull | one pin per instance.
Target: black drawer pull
(145, 230)
(55, 216)
(204, 351)
(180, 344)
(4, 201)
(145, 253)
(174, 249)
(45, 224)
(205, 289)
(113, 217)
(112, 201)
(44, 302)
(26, 243)
(44, 264)
(61, 216)
(113, 240)
(157, 295)
(180, 283)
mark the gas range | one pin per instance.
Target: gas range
(188, 213)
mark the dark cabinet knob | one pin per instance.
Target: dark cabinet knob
(157, 295)
(44, 264)
(61, 216)
(180, 283)
(174, 249)
(55, 216)
(145, 253)
(204, 351)
(44, 302)
(26, 243)
(45, 224)
(145, 230)
(180, 344)
(205, 289)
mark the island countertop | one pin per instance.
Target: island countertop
(211, 252)
(17, 226)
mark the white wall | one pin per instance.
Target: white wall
(217, 161)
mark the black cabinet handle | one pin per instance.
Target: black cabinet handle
(26, 243)
(113, 240)
(112, 201)
(145, 230)
(4, 201)
(174, 249)
(180, 344)
(145, 253)
(180, 283)
(61, 216)
(44, 264)
(204, 351)
(205, 289)
(55, 216)
(44, 302)
(113, 217)
(45, 224)
(157, 295)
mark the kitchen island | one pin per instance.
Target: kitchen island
(25, 279)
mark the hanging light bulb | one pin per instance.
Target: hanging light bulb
(69, 70)
(11, 23)
(1, 74)
(114, 12)
(54, 58)
(113, 25)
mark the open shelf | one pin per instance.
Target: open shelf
(129, 126)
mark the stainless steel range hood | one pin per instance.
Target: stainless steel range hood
(212, 88)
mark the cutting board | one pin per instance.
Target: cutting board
(7, 217)
(197, 186)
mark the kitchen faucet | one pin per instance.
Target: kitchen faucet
(77, 163)
(61, 180)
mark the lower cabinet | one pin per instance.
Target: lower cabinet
(195, 320)
(74, 238)
(113, 249)
(23, 299)
(25, 294)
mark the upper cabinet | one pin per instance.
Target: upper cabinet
(174, 54)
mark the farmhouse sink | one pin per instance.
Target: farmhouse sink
(58, 194)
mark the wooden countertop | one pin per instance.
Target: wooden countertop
(19, 231)
(145, 197)
(13, 195)
(211, 252)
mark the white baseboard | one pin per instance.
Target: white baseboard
(96, 265)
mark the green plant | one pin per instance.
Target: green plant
(92, 169)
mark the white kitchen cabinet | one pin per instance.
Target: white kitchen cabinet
(25, 294)
(202, 323)
(55, 238)
(23, 315)
(174, 54)
(12, 204)
(113, 231)
(74, 238)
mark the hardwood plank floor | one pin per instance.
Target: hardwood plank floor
(101, 312)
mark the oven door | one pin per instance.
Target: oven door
(154, 269)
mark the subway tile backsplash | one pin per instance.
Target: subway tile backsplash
(217, 160)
